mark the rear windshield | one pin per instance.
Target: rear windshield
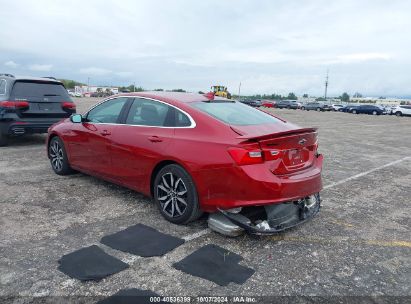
(235, 113)
(23, 89)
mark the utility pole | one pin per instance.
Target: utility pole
(134, 86)
(326, 86)
(88, 84)
(239, 90)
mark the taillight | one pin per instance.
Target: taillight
(246, 156)
(14, 104)
(68, 105)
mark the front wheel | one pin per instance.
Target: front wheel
(374, 113)
(58, 157)
(175, 195)
(354, 112)
(318, 109)
(302, 108)
(398, 114)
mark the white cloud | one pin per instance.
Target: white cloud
(272, 46)
(11, 64)
(94, 71)
(349, 58)
(40, 67)
(124, 74)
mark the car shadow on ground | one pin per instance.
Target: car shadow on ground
(30, 140)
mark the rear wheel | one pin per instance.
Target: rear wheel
(3, 140)
(374, 113)
(318, 109)
(58, 157)
(288, 107)
(175, 195)
(398, 114)
(354, 111)
(303, 108)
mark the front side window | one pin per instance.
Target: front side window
(2, 87)
(235, 113)
(146, 112)
(107, 112)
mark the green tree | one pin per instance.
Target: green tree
(320, 99)
(345, 97)
(292, 96)
(178, 90)
(305, 96)
(131, 88)
(70, 84)
(201, 92)
(159, 90)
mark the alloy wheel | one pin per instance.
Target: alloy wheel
(172, 195)
(56, 156)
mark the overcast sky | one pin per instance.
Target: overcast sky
(268, 46)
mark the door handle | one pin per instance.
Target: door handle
(105, 133)
(154, 139)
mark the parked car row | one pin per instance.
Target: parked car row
(400, 110)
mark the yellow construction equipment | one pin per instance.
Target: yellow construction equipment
(221, 91)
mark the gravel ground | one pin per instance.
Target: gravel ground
(359, 244)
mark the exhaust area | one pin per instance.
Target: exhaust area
(263, 220)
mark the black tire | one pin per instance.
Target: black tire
(398, 114)
(172, 187)
(4, 140)
(318, 109)
(288, 107)
(354, 111)
(302, 108)
(58, 157)
(374, 113)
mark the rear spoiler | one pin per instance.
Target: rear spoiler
(278, 134)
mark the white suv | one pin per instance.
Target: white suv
(404, 110)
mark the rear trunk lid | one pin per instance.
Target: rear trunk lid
(45, 98)
(286, 151)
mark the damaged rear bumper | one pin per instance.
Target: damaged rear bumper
(265, 220)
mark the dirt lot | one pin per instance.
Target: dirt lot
(359, 244)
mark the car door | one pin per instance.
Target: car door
(90, 141)
(141, 142)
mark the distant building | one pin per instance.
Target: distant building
(86, 90)
(384, 101)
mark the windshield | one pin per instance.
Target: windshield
(235, 113)
(23, 89)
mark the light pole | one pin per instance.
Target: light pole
(88, 84)
(239, 90)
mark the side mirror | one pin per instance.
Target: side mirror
(76, 118)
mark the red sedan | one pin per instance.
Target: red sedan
(195, 154)
(268, 103)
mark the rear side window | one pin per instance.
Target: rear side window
(30, 89)
(3, 87)
(146, 112)
(107, 112)
(235, 113)
(182, 120)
